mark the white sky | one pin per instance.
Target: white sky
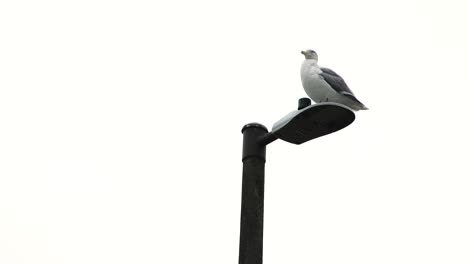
(120, 131)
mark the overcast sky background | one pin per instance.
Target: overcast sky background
(120, 132)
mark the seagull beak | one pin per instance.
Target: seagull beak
(303, 52)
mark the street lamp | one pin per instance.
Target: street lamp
(307, 123)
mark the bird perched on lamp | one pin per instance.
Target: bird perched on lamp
(324, 85)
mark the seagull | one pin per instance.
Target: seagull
(325, 85)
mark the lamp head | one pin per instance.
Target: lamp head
(312, 122)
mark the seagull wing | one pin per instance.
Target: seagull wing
(337, 83)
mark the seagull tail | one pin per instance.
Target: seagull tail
(359, 105)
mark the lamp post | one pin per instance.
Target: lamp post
(307, 123)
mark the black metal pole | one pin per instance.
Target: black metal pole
(253, 179)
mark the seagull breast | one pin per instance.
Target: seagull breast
(314, 85)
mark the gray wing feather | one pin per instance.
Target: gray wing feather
(335, 81)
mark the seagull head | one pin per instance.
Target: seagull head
(310, 54)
